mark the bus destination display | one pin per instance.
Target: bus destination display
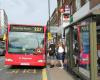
(34, 29)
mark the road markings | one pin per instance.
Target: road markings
(24, 71)
(29, 71)
(13, 71)
(34, 71)
(3, 68)
(44, 74)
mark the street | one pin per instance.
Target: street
(50, 40)
(19, 73)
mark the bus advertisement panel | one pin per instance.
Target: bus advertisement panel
(26, 45)
(83, 35)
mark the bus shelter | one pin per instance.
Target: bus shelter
(82, 39)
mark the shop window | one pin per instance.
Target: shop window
(75, 48)
(84, 2)
(98, 49)
(80, 3)
(98, 36)
(67, 45)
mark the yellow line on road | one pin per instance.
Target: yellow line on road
(44, 74)
(34, 71)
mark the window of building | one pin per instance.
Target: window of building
(84, 2)
(78, 4)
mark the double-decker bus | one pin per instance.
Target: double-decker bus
(26, 45)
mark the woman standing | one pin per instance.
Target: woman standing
(61, 54)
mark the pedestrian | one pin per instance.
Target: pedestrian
(98, 61)
(52, 54)
(61, 54)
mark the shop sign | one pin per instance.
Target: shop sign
(67, 10)
(4, 37)
(65, 18)
(50, 36)
(71, 19)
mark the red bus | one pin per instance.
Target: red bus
(26, 45)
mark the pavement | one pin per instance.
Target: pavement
(56, 73)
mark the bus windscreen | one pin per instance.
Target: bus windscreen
(24, 42)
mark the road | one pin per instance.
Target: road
(19, 73)
(32, 73)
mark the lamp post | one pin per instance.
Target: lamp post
(49, 15)
(48, 24)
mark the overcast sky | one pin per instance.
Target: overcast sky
(27, 11)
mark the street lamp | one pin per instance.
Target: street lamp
(49, 14)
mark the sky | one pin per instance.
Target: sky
(33, 12)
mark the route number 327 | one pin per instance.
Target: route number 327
(37, 29)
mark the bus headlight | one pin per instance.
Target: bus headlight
(9, 59)
(40, 60)
(85, 59)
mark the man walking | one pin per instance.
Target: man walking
(52, 54)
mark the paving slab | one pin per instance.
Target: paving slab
(59, 74)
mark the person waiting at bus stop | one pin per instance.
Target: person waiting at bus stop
(61, 54)
(52, 54)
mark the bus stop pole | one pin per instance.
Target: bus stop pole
(93, 50)
(71, 47)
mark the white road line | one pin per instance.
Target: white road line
(6, 66)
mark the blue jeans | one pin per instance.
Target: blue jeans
(60, 56)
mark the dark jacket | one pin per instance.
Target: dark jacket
(52, 49)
